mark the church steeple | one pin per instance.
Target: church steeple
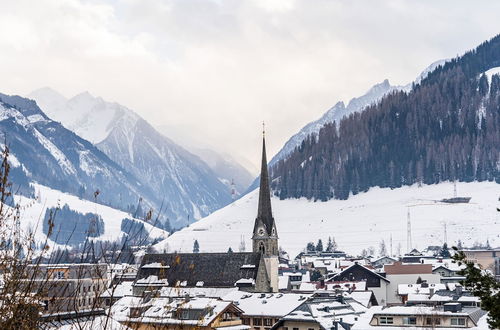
(264, 211)
(265, 237)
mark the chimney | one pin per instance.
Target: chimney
(322, 283)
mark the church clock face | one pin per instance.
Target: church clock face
(261, 231)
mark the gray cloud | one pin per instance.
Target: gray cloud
(218, 68)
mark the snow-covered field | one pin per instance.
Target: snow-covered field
(33, 211)
(357, 223)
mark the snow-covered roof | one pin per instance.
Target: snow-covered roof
(364, 320)
(155, 265)
(152, 280)
(161, 310)
(208, 292)
(120, 290)
(404, 289)
(326, 310)
(269, 304)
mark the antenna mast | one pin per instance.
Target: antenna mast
(408, 233)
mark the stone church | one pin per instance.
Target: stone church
(255, 271)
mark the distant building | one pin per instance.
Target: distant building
(487, 259)
(255, 271)
(68, 289)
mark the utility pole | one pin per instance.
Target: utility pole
(390, 240)
(408, 232)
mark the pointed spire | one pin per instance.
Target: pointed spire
(264, 212)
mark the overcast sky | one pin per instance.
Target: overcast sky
(215, 69)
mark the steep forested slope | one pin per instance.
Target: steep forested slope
(446, 128)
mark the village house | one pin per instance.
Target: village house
(263, 310)
(68, 289)
(170, 313)
(374, 281)
(402, 273)
(450, 316)
(323, 311)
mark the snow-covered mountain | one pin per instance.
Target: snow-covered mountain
(357, 223)
(335, 113)
(44, 151)
(227, 168)
(183, 184)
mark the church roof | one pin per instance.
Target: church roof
(264, 212)
(201, 269)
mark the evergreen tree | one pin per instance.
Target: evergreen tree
(445, 253)
(332, 245)
(310, 247)
(319, 246)
(382, 249)
(196, 246)
(483, 285)
(419, 280)
(230, 250)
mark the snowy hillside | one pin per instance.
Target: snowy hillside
(339, 110)
(33, 210)
(184, 185)
(357, 223)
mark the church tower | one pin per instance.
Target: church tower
(265, 235)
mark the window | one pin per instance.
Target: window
(457, 321)
(409, 320)
(433, 321)
(257, 321)
(386, 320)
(310, 329)
(295, 328)
(268, 322)
(245, 321)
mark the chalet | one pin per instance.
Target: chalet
(374, 281)
(380, 262)
(263, 310)
(450, 316)
(167, 313)
(323, 311)
(403, 273)
(255, 271)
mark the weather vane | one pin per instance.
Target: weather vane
(263, 129)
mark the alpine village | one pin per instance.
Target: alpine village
(384, 213)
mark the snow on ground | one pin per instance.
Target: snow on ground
(491, 72)
(33, 212)
(357, 223)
